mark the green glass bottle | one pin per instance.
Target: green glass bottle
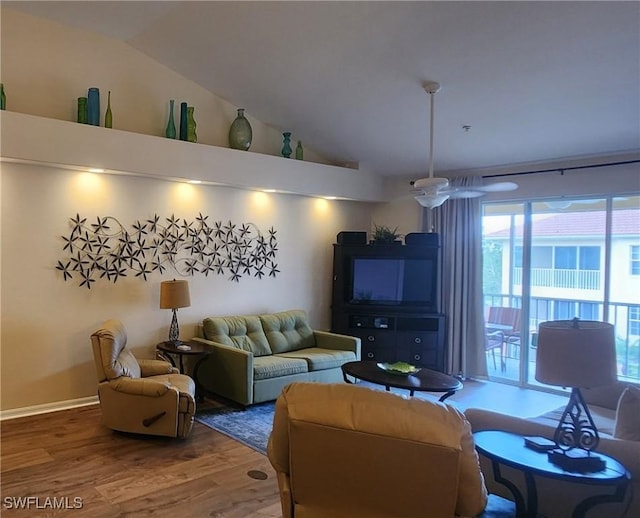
(191, 126)
(240, 133)
(170, 132)
(108, 117)
(82, 110)
(3, 98)
(299, 151)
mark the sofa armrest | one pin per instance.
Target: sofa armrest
(336, 341)
(155, 367)
(227, 371)
(487, 420)
(139, 386)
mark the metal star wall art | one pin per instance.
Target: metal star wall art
(108, 250)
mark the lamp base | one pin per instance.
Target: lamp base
(580, 461)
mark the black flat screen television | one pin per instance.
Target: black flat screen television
(393, 281)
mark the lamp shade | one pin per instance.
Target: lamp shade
(576, 353)
(174, 294)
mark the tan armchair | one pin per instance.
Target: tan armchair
(346, 451)
(140, 396)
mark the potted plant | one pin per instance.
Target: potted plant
(385, 235)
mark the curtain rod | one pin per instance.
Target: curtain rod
(561, 170)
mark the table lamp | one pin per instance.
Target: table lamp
(173, 295)
(577, 354)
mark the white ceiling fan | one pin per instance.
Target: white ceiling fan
(432, 192)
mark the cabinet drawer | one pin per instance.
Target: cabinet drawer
(426, 357)
(417, 338)
(378, 354)
(375, 338)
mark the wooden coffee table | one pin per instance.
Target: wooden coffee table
(426, 380)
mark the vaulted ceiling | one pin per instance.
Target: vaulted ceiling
(533, 81)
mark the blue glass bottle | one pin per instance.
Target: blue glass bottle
(93, 107)
(184, 124)
(286, 144)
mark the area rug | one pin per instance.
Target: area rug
(251, 426)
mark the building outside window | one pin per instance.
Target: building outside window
(572, 266)
(635, 259)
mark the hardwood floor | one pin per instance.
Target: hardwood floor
(70, 454)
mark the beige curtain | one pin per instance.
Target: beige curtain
(459, 223)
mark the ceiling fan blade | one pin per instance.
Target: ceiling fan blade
(497, 187)
(466, 194)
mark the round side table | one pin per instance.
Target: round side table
(169, 350)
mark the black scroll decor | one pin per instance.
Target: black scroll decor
(108, 250)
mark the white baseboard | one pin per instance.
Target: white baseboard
(47, 407)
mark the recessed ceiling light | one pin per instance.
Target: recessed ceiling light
(194, 181)
(96, 170)
(269, 190)
(330, 197)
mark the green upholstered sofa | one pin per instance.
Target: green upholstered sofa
(253, 357)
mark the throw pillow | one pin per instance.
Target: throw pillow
(628, 415)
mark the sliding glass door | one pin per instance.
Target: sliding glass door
(556, 260)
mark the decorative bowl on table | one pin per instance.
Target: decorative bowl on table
(399, 368)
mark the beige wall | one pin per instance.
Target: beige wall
(47, 66)
(46, 322)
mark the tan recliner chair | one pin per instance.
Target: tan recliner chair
(140, 396)
(344, 451)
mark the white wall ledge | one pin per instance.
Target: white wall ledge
(52, 142)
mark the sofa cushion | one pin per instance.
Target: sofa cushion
(605, 395)
(628, 415)
(288, 331)
(319, 359)
(265, 367)
(242, 332)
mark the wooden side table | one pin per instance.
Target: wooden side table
(168, 351)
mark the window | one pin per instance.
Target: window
(589, 258)
(634, 320)
(635, 259)
(589, 311)
(566, 258)
(541, 256)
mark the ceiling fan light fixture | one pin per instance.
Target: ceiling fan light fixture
(431, 201)
(431, 183)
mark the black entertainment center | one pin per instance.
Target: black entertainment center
(387, 294)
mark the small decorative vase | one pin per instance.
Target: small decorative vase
(299, 151)
(3, 98)
(286, 144)
(191, 126)
(93, 107)
(108, 117)
(183, 121)
(82, 110)
(240, 133)
(170, 132)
